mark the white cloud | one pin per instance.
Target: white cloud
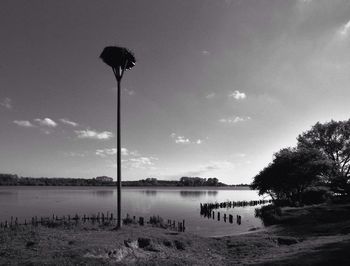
(75, 154)
(210, 95)
(23, 123)
(129, 91)
(210, 169)
(124, 151)
(7, 103)
(46, 122)
(344, 30)
(238, 95)
(142, 162)
(68, 122)
(106, 152)
(205, 52)
(183, 140)
(112, 151)
(239, 155)
(233, 120)
(216, 165)
(92, 134)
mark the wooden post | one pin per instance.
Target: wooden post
(218, 216)
(230, 218)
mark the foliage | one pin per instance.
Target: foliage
(333, 140)
(14, 180)
(119, 59)
(197, 181)
(291, 173)
(315, 195)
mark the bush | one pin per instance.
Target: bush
(269, 214)
(315, 196)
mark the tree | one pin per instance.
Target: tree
(119, 59)
(291, 172)
(333, 140)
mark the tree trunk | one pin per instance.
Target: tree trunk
(119, 166)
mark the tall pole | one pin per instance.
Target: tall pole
(119, 165)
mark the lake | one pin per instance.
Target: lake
(169, 203)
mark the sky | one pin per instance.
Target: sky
(218, 86)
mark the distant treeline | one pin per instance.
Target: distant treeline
(183, 182)
(14, 180)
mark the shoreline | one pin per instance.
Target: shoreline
(291, 243)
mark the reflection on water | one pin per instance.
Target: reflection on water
(196, 193)
(168, 203)
(182, 193)
(149, 192)
(103, 193)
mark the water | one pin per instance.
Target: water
(169, 203)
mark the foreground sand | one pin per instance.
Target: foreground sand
(324, 242)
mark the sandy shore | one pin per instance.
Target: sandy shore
(310, 242)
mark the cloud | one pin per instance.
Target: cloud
(234, 120)
(205, 52)
(124, 151)
(239, 155)
(210, 95)
(183, 140)
(135, 160)
(106, 152)
(112, 151)
(142, 162)
(211, 168)
(68, 122)
(23, 123)
(46, 122)
(344, 30)
(75, 154)
(92, 134)
(7, 103)
(237, 95)
(129, 91)
(216, 165)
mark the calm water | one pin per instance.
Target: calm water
(169, 203)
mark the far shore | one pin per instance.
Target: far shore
(233, 187)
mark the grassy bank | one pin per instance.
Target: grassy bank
(310, 235)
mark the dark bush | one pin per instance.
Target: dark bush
(315, 196)
(269, 214)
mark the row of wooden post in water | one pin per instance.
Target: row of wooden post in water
(100, 218)
(226, 217)
(208, 207)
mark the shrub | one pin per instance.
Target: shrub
(315, 196)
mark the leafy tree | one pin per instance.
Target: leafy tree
(333, 140)
(291, 172)
(119, 59)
